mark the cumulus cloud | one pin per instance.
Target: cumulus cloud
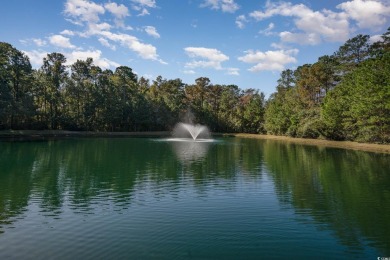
(228, 6)
(83, 11)
(145, 3)
(300, 38)
(39, 42)
(240, 21)
(96, 28)
(316, 25)
(68, 32)
(96, 55)
(313, 27)
(269, 60)
(61, 41)
(376, 38)
(145, 51)
(209, 58)
(142, 6)
(119, 11)
(87, 13)
(107, 44)
(151, 30)
(36, 57)
(268, 30)
(189, 72)
(233, 71)
(367, 13)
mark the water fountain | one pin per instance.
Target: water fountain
(190, 142)
(193, 132)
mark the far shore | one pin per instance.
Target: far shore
(41, 134)
(65, 133)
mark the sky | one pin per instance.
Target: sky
(243, 42)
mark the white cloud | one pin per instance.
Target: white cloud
(189, 72)
(146, 3)
(95, 55)
(233, 71)
(367, 13)
(61, 41)
(228, 6)
(324, 25)
(240, 21)
(206, 53)
(376, 38)
(142, 6)
(87, 14)
(300, 38)
(269, 60)
(107, 44)
(151, 30)
(119, 11)
(207, 58)
(96, 28)
(68, 32)
(268, 30)
(145, 51)
(144, 12)
(39, 42)
(83, 11)
(36, 57)
(147, 76)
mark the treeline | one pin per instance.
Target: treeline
(344, 96)
(82, 96)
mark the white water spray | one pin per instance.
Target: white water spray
(183, 130)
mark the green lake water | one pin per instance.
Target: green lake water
(233, 198)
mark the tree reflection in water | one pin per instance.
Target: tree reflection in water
(347, 192)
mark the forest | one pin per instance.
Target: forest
(343, 96)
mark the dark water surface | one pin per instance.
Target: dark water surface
(141, 198)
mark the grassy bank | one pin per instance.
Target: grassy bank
(378, 148)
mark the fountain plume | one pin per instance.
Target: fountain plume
(183, 130)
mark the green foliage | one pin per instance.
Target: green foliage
(342, 96)
(359, 107)
(16, 100)
(252, 111)
(353, 52)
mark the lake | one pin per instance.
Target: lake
(150, 198)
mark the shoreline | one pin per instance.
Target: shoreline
(41, 134)
(367, 147)
(12, 134)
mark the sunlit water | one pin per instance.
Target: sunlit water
(141, 198)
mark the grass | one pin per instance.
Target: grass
(377, 148)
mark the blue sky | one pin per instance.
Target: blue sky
(242, 42)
